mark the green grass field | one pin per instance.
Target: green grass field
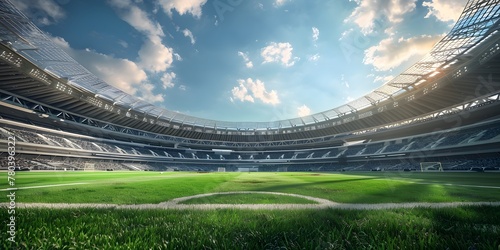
(474, 227)
(153, 187)
(248, 199)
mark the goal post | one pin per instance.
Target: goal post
(282, 169)
(221, 169)
(89, 166)
(431, 167)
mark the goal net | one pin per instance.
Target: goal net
(221, 169)
(283, 169)
(89, 166)
(431, 167)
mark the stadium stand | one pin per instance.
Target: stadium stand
(425, 114)
(475, 134)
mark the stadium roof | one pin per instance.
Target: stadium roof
(478, 21)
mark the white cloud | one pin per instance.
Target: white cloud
(344, 82)
(248, 63)
(278, 52)
(445, 10)
(63, 44)
(345, 34)
(155, 57)
(314, 57)
(249, 90)
(120, 73)
(303, 111)
(123, 74)
(137, 18)
(188, 33)
(278, 3)
(315, 34)
(44, 12)
(193, 7)
(383, 79)
(123, 43)
(168, 80)
(390, 53)
(241, 93)
(369, 11)
(177, 57)
(146, 93)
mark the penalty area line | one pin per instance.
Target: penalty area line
(45, 186)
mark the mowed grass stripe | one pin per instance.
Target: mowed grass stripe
(45, 186)
(51, 178)
(138, 189)
(258, 182)
(154, 187)
(461, 178)
(248, 198)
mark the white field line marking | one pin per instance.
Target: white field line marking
(181, 199)
(322, 204)
(81, 183)
(45, 186)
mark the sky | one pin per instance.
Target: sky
(245, 60)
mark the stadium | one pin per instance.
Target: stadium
(431, 135)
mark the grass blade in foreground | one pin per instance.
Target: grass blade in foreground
(457, 228)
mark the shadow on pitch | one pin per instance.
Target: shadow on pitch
(284, 187)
